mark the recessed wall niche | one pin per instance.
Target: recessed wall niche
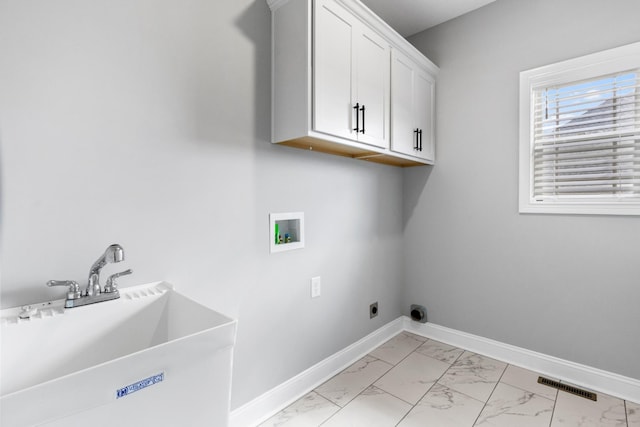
(286, 231)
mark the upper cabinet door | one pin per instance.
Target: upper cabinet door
(412, 108)
(404, 136)
(333, 88)
(351, 80)
(424, 90)
(372, 88)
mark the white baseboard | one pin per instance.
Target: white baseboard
(581, 375)
(274, 400)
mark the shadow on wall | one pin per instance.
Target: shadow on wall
(415, 180)
(255, 24)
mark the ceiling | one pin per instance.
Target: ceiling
(409, 17)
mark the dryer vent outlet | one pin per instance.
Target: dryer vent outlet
(418, 313)
(373, 310)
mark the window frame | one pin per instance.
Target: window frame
(567, 72)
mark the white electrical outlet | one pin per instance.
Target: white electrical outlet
(316, 287)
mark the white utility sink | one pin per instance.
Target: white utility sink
(151, 357)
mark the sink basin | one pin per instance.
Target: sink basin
(151, 356)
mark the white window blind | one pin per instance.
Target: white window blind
(580, 135)
(586, 139)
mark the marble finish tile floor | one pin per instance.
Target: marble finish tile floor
(412, 381)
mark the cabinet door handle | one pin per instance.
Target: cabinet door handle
(420, 134)
(417, 146)
(362, 109)
(357, 108)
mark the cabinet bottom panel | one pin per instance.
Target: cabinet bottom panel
(315, 144)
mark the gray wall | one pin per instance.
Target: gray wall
(568, 286)
(147, 123)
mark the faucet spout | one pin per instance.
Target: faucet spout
(93, 293)
(114, 253)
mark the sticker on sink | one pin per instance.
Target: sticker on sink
(139, 385)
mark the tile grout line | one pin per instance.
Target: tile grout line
(553, 411)
(339, 373)
(412, 351)
(435, 383)
(524, 389)
(356, 396)
(382, 375)
(465, 394)
(371, 384)
(626, 414)
(400, 361)
(409, 334)
(332, 415)
(450, 366)
(492, 391)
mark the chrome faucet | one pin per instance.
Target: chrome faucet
(113, 253)
(93, 292)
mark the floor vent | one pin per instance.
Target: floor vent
(568, 388)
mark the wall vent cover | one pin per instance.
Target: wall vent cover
(568, 388)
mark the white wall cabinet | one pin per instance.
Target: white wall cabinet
(412, 108)
(332, 81)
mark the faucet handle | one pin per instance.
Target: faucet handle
(74, 288)
(111, 285)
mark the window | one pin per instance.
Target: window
(580, 135)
